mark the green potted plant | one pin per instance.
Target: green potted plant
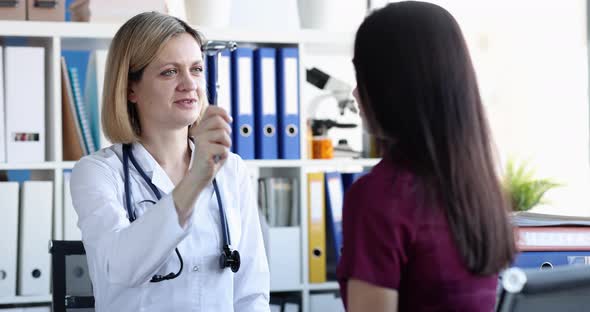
(523, 188)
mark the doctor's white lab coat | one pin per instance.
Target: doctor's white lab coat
(123, 257)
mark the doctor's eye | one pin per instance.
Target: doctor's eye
(197, 69)
(169, 72)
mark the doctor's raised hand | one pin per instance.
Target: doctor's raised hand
(211, 136)
(164, 210)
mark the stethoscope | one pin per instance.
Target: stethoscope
(229, 258)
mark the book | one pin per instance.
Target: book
(539, 219)
(278, 200)
(80, 108)
(552, 238)
(73, 142)
(93, 95)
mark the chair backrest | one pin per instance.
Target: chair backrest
(565, 288)
(72, 288)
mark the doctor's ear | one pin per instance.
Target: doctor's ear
(131, 95)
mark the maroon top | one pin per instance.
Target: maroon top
(393, 241)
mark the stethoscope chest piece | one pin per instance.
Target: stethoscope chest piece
(230, 259)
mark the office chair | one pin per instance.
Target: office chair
(72, 288)
(565, 288)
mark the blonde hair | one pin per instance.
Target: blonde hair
(135, 45)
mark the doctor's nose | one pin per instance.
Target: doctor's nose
(188, 82)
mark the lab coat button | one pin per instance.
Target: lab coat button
(196, 268)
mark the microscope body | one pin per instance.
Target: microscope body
(321, 145)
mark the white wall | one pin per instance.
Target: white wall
(334, 15)
(532, 60)
(532, 64)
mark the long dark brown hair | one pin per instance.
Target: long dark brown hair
(417, 84)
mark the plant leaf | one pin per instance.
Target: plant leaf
(524, 190)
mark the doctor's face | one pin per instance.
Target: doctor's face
(170, 94)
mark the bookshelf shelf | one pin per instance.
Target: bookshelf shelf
(67, 164)
(50, 165)
(25, 299)
(343, 164)
(339, 163)
(324, 286)
(289, 289)
(57, 29)
(108, 30)
(336, 164)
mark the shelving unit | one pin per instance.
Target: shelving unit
(25, 299)
(339, 164)
(323, 286)
(55, 36)
(107, 31)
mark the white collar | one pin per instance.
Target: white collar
(152, 168)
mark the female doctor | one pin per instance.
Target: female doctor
(147, 208)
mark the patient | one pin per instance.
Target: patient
(427, 228)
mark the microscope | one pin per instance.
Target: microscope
(321, 145)
(338, 88)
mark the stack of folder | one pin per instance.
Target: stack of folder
(279, 203)
(325, 203)
(82, 86)
(279, 200)
(259, 87)
(25, 231)
(545, 241)
(22, 104)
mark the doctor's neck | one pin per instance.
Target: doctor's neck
(169, 148)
